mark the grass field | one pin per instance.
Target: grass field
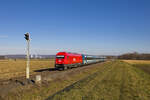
(16, 68)
(120, 81)
(114, 80)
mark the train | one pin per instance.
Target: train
(67, 60)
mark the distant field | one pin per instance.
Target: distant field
(16, 68)
(141, 64)
(137, 61)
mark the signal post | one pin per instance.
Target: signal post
(27, 37)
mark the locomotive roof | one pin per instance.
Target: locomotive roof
(68, 53)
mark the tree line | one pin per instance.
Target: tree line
(135, 56)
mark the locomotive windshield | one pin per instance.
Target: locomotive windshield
(60, 57)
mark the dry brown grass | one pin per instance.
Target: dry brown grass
(137, 61)
(12, 68)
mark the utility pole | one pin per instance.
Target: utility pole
(27, 37)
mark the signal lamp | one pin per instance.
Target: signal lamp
(26, 36)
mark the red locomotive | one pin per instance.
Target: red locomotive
(66, 60)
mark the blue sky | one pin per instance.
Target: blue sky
(83, 26)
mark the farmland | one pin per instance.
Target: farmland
(15, 68)
(112, 80)
(141, 64)
(137, 61)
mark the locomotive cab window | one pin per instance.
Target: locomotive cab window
(60, 57)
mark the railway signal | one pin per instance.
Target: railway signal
(27, 37)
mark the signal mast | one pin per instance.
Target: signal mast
(27, 37)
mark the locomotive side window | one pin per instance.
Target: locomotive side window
(60, 57)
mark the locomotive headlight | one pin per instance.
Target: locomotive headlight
(74, 59)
